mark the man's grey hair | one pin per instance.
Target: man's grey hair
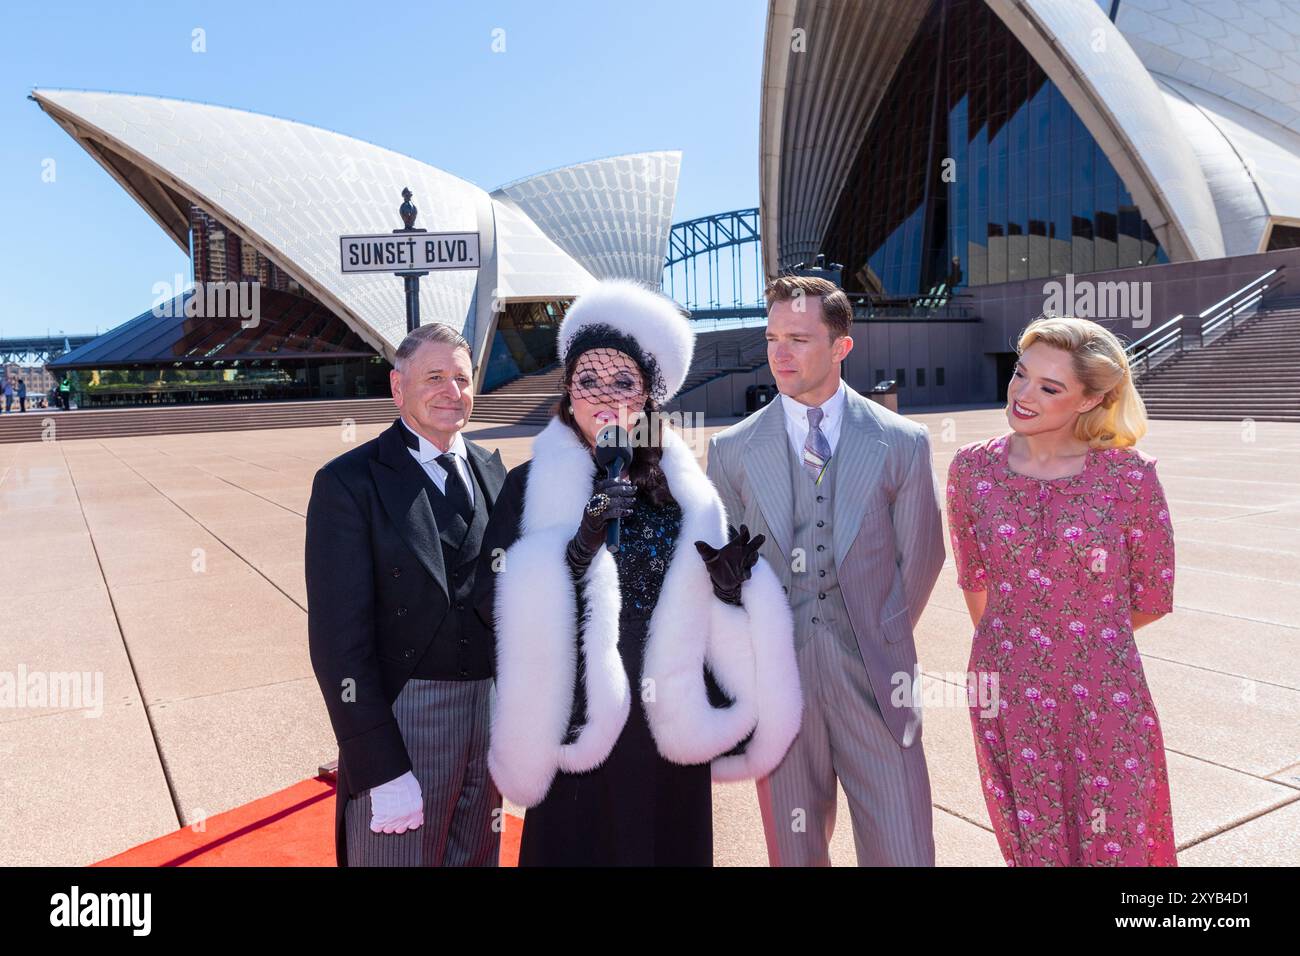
(433, 332)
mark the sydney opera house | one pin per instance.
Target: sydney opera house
(993, 147)
(961, 166)
(257, 199)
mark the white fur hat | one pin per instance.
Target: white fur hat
(621, 308)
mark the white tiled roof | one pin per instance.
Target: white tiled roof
(1246, 51)
(1252, 164)
(1195, 102)
(532, 265)
(293, 189)
(1101, 77)
(1230, 70)
(612, 215)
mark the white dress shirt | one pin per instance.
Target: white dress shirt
(427, 457)
(796, 420)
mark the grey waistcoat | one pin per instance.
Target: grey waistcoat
(815, 595)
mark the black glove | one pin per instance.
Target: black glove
(611, 498)
(730, 565)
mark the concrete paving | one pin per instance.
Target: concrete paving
(168, 570)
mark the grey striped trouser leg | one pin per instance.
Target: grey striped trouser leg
(887, 786)
(445, 727)
(844, 736)
(797, 799)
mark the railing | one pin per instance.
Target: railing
(937, 304)
(754, 353)
(1237, 304)
(37, 350)
(1154, 343)
(1159, 342)
(743, 318)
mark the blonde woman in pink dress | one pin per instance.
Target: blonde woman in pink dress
(1064, 548)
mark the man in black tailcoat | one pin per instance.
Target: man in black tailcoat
(394, 528)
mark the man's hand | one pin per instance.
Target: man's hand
(396, 806)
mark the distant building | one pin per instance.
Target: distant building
(39, 380)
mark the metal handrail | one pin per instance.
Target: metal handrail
(916, 309)
(740, 351)
(1141, 351)
(1158, 340)
(1229, 298)
(722, 325)
(1230, 314)
(1133, 345)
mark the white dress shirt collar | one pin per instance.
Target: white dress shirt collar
(796, 412)
(430, 452)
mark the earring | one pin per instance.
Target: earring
(570, 409)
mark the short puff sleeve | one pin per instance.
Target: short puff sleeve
(961, 522)
(1150, 542)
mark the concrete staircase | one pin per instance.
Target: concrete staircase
(527, 400)
(1252, 371)
(530, 398)
(721, 353)
(114, 422)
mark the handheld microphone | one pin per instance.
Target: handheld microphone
(613, 454)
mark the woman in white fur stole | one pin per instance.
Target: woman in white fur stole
(627, 681)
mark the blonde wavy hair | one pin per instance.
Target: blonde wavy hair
(1099, 362)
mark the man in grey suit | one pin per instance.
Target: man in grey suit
(844, 491)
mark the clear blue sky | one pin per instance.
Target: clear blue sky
(579, 79)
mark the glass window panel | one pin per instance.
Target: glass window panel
(1061, 256)
(1033, 195)
(1039, 251)
(1017, 257)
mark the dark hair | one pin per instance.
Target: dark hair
(645, 472)
(837, 312)
(603, 336)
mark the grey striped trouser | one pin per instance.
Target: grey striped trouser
(843, 736)
(445, 727)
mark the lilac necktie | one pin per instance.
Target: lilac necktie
(816, 449)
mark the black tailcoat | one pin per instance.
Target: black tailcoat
(377, 593)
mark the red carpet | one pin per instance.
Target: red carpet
(294, 827)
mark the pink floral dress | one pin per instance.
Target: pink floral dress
(1069, 746)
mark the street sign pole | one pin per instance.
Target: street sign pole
(408, 212)
(412, 301)
(410, 253)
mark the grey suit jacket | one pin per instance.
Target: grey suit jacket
(887, 533)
